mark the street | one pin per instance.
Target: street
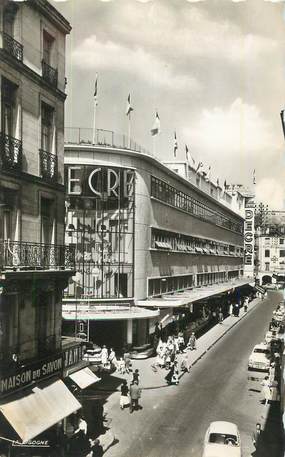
(174, 419)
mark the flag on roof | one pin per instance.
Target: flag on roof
(199, 166)
(96, 90)
(253, 177)
(129, 108)
(175, 146)
(156, 125)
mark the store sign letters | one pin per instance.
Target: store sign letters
(113, 182)
(249, 234)
(42, 369)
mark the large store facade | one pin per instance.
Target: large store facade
(143, 236)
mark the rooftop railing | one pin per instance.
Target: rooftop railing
(105, 138)
(22, 255)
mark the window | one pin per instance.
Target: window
(282, 253)
(47, 117)
(281, 241)
(47, 221)
(267, 253)
(168, 194)
(267, 266)
(8, 107)
(48, 41)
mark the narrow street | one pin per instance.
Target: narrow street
(174, 419)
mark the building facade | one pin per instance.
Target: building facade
(146, 238)
(34, 263)
(270, 247)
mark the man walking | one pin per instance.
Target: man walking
(135, 395)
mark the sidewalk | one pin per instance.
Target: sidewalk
(149, 379)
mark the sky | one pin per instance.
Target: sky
(213, 69)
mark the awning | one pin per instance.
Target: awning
(35, 410)
(162, 245)
(84, 378)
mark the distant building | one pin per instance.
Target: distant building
(270, 248)
(34, 263)
(149, 242)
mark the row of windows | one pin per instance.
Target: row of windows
(169, 284)
(168, 194)
(10, 116)
(161, 239)
(281, 253)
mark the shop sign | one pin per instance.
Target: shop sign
(72, 356)
(25, 375)
(31, 443)
(249, 236)
(102, 182)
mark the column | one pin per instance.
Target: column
(129, 331)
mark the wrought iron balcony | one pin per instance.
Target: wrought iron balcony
(13, 47)
(49, 74)
(22, 255)
(48, 165)
(10, 152)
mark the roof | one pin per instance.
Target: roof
(223, 427)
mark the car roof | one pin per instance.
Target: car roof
(223, 427)
(261, 346)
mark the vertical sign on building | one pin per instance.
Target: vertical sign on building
(249, 238)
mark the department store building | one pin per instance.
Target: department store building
(151, 238)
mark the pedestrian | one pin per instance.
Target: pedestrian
(185, 365)
(192, 342)
(175, 375)
(266, 391)
(181, 342)
(121, 366)
(136, 376)
(221, 316)
(96, 449)
(113, 359)
(124, 398)
(231, 309)
(82, 426)
(128, 362)
(236, 310)
(104, 356)
(135, 395)
(214, 315)
(257, 437)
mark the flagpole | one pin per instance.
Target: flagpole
(154, 145)
(94, 122)
(129, 131)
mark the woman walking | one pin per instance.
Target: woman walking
(124, 398)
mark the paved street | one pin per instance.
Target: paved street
(174, 419)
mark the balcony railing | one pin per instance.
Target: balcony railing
(49, 74)
(48, 165)
(13, 47)
(10, 152)
(22, 255)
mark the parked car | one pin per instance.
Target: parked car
(222, 439)
(142, 352)
(93, 356)
(260, 357)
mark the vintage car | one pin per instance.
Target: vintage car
(222, 439)
(260, 357)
